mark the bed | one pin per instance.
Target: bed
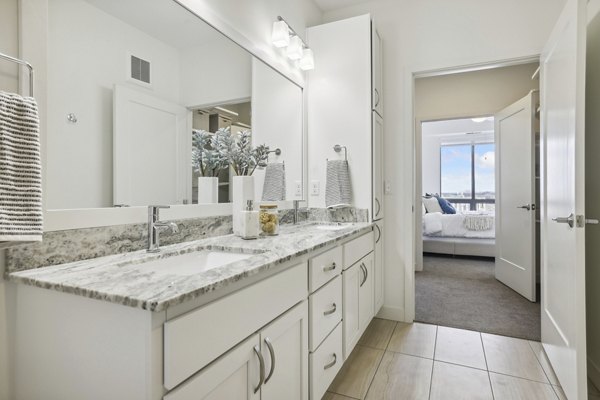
(466, 234)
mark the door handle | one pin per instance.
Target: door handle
(582, 221)
(565, 220)
(331, 311)
(261, 361)
(272, 354)
(331, 364)
(527, 207)
(330, 268)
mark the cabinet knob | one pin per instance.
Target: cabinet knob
(330, 268)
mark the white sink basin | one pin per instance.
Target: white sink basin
(192, 263)
(330, 227)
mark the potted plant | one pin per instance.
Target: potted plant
(207, 162)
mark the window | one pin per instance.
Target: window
(467, 176)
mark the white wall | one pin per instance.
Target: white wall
(428, 35)
(9, 82)
(81, 78)
(278, 124)
(217, 72)
(592, 193)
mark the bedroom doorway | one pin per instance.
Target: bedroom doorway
(456, 278)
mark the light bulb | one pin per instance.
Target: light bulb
(294, 49)
(281, 34)
(307, 62)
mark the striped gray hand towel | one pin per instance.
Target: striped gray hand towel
(274, 186)
(20, 169)
(338, 188)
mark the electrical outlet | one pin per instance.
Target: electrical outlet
(298, 188)
(387, 187)
(315, 188)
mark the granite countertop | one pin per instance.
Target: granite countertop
(121, 278)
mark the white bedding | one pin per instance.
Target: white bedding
(453, 225)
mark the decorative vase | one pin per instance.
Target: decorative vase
(243, 190)
(208, 189)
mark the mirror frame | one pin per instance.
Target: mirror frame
(33, 25)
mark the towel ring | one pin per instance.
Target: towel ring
(337, 148)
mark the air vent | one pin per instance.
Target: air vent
(140, 69)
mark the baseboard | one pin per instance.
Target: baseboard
(593, 372)
(392, 313)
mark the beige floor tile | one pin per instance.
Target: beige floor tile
(538, 349)
(413, 339)
(356, 375)
(378, 333)
(401, 377)
(335, 396)
(459, 346)
(451, 381)
(559, 392)
(512, 356)
(510, 388)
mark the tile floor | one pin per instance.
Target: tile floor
(394, 360)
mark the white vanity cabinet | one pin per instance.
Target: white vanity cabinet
(358, 289)
(378, 280)
(270, 365)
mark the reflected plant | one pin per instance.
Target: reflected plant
(238, 152)
(205, 159)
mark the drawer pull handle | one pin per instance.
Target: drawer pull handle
(272, 353)
(329, 312)
(379, 234)
(261, 361)
(331, 364)
(330, 268)
(365, 273)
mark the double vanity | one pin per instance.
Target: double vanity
(219, 318)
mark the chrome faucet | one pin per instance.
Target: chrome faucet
(296, 211)
(155, 225)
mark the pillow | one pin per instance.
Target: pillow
(432, 205)
(445, 205)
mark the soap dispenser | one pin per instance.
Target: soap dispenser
(250, 226)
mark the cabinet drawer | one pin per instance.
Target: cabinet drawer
(325, 311)
(325, 363)
(200, 336)
(324, 267)
(358, 248)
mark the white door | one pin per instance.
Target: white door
(378, 267)
(365, 292)
(351, 282)
(236, 375)
(152, 150)
(515, 196)
(562, 195)
(377, 167)
(285, 350)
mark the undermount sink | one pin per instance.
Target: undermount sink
(194, 262)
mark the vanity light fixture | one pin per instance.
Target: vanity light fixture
(281, 34)
(284, 36)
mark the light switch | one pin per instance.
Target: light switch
(315, 188)
(298, 188)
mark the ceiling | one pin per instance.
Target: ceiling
(454, 127)
(328, 5)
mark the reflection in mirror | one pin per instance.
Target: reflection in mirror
(140, 77)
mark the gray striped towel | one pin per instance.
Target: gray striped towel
(274, 186)
(20, 169)
(338, 188)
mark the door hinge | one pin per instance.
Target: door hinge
(581, 221)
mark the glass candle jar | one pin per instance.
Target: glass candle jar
(269, 220)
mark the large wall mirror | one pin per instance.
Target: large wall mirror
(139, 92)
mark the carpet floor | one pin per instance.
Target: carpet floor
(463, 293)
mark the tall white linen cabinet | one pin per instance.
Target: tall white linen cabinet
(345, 107)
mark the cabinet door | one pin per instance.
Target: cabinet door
(378, 268)
(284, 345)
(377, 168)
(377, 70)
(236, 375)
(365, 292)
(352, 277)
